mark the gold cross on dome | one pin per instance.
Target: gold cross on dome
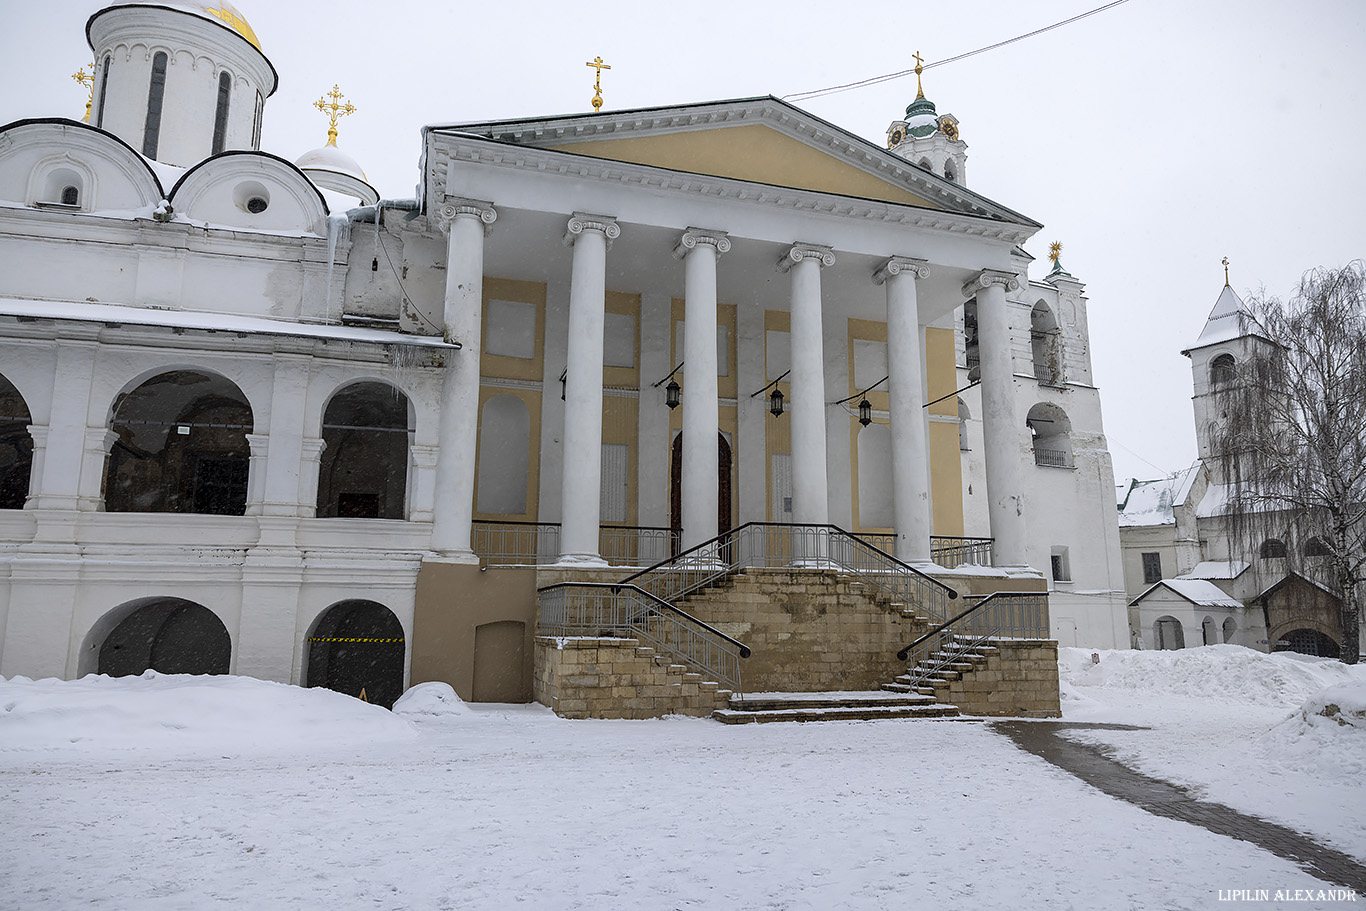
(334, 110)
(599, 66)
(87, 80)
(919, 92)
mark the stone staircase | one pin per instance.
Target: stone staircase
(872, 705)
(962, 662)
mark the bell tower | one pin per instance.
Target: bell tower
(927, 138)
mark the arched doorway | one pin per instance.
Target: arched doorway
(363, 472)
(1307, 642)
(166, 635)
(357, 645)
(1168, 633)
(16, 447)
(181, 447)
(723, 486)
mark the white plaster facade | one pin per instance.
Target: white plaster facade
(520, 312)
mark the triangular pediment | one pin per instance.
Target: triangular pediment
(759, 140)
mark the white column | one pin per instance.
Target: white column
(810, 505)
(910, 446)
(1001, 431)
(699, 248)
(464, 221)
(580, 504)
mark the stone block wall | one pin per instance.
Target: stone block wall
(618, 678)
(1015, 677)
(809, 630)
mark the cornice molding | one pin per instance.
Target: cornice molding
(704, 236)
(988, 277)
(895, 265)
(474, 150)
(799, 252)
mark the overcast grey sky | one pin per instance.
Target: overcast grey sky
(1152, 139)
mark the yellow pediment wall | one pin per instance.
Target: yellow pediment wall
(748, 152)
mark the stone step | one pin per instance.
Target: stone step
(763, 702)
(837, 713)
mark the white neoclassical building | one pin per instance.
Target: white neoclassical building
(255, 419)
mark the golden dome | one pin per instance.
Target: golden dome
(219, 10)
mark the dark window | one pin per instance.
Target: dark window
(220, 486)
(1223, 369)
(1152, 568)
(358, 506)
(1059, 568)
(256, 123)
(104, 87)
(151, 134)
(1273, 547)
(71, 196)
(1316, 548)
(220, 117)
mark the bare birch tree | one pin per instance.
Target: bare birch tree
(1292, 446)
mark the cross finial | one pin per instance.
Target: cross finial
(1225, 271)
(919, 92)
(599, 66)
(87, 80)
(334, 110)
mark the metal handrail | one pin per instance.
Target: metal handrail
(1022, 615)
(947, 551)
(786, 544)
(607, 608)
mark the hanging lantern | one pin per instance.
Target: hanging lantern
(865, 413)
(671, 392)
(775, 403)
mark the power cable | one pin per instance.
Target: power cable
(874, 80)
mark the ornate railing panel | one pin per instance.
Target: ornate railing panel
(524, 543)
(615, 610)
(1012, 615)
(772, 544)
(1053, 458)
(946, 551)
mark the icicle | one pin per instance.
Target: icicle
(337, 225)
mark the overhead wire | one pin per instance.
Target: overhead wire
(886, 77)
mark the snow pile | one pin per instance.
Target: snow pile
(1224, 672)
(430, 699)
(181, 713)
(1326, 737)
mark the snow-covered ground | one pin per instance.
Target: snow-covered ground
(1227, 722)
(173, 792)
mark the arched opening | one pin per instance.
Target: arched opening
(181, 448)
(104, 90)
(1209, 633)
(963, 417)
(16, 447)
(1052, 435)
(363, 472)
(1222, 370)
(357, 646)
(1168, 634)
(1230, 629)
(220, 116)
(71, 195)
(1272, 548)
(504, 456)
(925, 163)
(64, 186)
(166, 635)
(156, 93)
(1045, 342)
(1316, 547)
(499, 662)
(723, 488)
(949, 171)
(875, 476)
(1307, 642)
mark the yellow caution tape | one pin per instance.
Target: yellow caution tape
(319, 639)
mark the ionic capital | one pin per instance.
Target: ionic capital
(895, 265)
(988, 277)
(823, 255)
(704, 236)
(579, 222)
(455, 207)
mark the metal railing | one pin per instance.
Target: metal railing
(945, 550)
(603, 609)
(1052, 458)
(523, 543)
(773, 544)
(1013, 615)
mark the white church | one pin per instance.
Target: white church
(255, 419)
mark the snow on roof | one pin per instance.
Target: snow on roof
(1216, 569)
(1230, 319)
(1153, 502)
(210, 322)
(330, 158)
(1197, 591)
